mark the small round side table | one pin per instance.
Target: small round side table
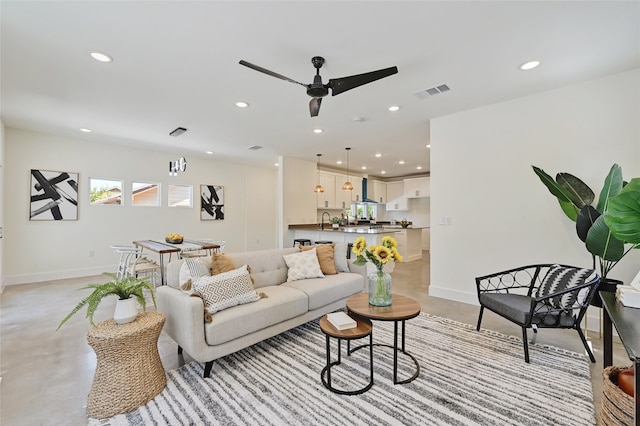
(362, 329)
(129, 372)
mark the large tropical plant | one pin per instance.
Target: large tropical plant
(607, 226)
(124, 288)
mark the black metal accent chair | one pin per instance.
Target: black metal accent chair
(539, 296)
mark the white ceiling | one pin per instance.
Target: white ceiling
(176, 64)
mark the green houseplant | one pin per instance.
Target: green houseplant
(124, 288)
(605, 227)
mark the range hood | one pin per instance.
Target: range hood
(365, 199)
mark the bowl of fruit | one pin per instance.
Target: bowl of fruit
(174, 238)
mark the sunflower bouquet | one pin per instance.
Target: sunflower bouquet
(379, 255)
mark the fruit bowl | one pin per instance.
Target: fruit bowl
(174, 240)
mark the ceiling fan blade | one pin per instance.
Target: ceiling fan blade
(314, 106)
(339, 85)
(271, 73)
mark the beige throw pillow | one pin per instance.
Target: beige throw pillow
(325, 254)
(220, 263)
(302, 265)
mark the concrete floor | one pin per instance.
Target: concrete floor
(46, 374)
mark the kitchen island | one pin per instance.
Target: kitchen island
(409, 239)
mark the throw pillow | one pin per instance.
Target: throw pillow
(340, 257)
(220, 263)
(226, 289)
(190, 269)
(325, 253)
(302, 265)
(560, 278)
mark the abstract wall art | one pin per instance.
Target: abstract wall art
(211, 202)
(54, 195)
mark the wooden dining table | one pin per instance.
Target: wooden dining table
(165, 248)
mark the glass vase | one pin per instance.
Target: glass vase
(379, 288)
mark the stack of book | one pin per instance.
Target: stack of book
(341, 321)
(629, 295)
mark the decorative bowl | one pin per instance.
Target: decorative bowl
(174, 241)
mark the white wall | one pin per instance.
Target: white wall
(502, 215)
(298, 198)
(2, 136)
(42, 250)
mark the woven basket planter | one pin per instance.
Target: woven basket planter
(617, 406)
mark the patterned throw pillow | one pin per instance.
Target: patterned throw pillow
(325, 257)
(303, 265)
(225, 290)
(191, 269)
(560, 278)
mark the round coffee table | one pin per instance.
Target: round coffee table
(401, 309)
(362, 329)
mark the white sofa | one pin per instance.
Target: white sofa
(287, 305)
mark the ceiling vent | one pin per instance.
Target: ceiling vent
(255, 147)
(178, 131)
(432, 91)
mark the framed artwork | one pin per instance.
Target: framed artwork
(54, 195)
(211, 202)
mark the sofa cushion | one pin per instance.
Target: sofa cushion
(281, 304)
(327, 290)
(340, 257)
(225, 290)
(302, 265)
(325, 253)
(220, 263)
(190, 270)
(267, 267)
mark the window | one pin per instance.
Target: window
(180, 196)
(145, 194)
(105, 191)
(364, 210)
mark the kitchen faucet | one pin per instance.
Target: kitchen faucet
(322, 220)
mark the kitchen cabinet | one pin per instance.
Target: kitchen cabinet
(327, 199)
(377, 191)
(356, 194)
(395, 195)
(343, 198)
(417, 187)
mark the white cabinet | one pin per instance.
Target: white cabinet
(395, 195)
(356, 194)
(343, 198)
(327, 199)
(377, 191)
(416, 187)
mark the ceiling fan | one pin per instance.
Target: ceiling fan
(317, 90)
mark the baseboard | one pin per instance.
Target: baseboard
(57, 275)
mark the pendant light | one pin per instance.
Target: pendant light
(318, 187)
(347, 186)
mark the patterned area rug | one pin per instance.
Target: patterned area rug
(466, 378)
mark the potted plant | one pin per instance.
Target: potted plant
(126, 309)
(592, 226)
(335, 222)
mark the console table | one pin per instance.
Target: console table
(627, 323)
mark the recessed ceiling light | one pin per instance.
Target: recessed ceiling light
(209, 152)
(428, 145)
(339, 162)
(241, 104)
(364, 167)
(85, 130)
(529, 65)
(401, 162)
(378, 155)
(318, 130)
(419, 168)
(101, 57)
(276, 164)
(394, 108)
(383, 172)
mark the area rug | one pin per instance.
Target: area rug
(466, 378)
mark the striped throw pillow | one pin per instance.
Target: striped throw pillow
(560, 278)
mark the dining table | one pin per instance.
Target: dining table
(162, 248)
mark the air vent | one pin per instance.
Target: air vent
(255, 147)
(432, 91)
(178, 131)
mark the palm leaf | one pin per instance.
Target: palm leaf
(602, 243)
(623, 213)
(579, 192)
(563, 196)
(585, 220)
(612, 187)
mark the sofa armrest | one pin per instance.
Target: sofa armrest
(184, 319)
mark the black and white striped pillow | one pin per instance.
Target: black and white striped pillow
(561, 278)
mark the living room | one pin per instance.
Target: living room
(481, 178)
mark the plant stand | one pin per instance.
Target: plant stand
(129, 372)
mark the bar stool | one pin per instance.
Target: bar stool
(324, 242)
(349, 249)
(302, 241)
